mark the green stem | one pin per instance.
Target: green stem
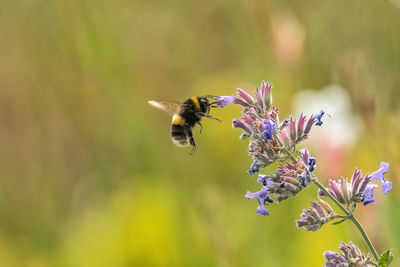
(352, 218)
(347, 212)
(365, 236)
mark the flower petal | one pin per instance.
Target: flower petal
(378, 175)
(223, 101)
(369, 194)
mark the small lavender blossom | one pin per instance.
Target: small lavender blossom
(351, 257)
(379, 175)
(311, 163)
(253, 168)
(269, 128)
(368, 196)
(223, 101)
(319, 213)
(246, 96)
(319, 118)
(262, 196)
(236, 123)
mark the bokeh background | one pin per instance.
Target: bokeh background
(89, 176)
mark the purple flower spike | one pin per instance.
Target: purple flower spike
(223, 101)
(269, 128)
(379, 175)
(246, 96)
(368, 196)
(261, 196)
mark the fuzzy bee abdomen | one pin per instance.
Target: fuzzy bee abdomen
(179, 135)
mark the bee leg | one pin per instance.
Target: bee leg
(211, 117)
(192, 142)
(201, 126)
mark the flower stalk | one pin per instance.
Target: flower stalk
(272, 139)
(347, 212)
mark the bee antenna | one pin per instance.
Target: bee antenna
(211, 96)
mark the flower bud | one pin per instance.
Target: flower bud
(319, 213)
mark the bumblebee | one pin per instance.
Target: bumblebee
(185, 116)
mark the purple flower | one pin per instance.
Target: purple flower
(266, 93)
(368, 196)
(300, 126)
(223, 101)
(269, 128)
(236, 123)
(319, 213)
(319, 117)
(351, 256)
(311, 164)
(246, 96)
(378, 175)
(334, 259)
(262, 178)
(253, 168)
(261, 196)
(310, 123)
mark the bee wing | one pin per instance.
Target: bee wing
(169, 107)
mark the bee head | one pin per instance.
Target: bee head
(204, 105)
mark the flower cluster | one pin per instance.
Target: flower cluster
(287, 181)
(319, 213)
(351, 256)
(260, 121)
(272, 139)
(359, 189)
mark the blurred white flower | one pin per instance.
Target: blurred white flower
(341, 127)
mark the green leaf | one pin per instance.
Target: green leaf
(386, 258)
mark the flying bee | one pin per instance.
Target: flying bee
(185, 116)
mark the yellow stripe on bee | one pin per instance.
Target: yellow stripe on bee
(177, 119)
(196, 102)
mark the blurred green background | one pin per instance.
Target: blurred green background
(89, 176)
